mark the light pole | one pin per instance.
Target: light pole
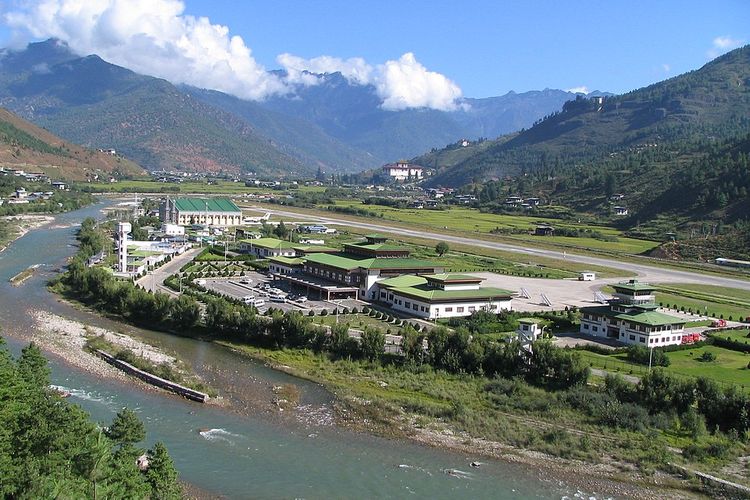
(650, 353)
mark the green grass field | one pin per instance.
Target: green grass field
(736, 335)
(357, 321)
(730, 366)
(472, 220)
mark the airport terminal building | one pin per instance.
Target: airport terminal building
(204, 211)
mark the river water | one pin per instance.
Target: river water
(251, 454)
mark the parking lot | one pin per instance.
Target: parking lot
(273, 293)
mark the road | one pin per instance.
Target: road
(651, 274)
(154, 280)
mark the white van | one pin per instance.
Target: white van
(248, 298)
(256, 302)
(278, 298)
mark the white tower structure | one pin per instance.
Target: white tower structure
(123, 229)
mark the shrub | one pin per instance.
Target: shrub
(324, 312)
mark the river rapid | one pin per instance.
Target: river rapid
(250, 453)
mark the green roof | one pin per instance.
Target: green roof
(531, 321)
(633, 286)
(334, 260)
(400, 263)
(143, 253)
(436, 295)
(402, 281)
(272, 243)
(348, 262)
(378, 246)
(651, 318)
(315, 248)
(289, 261)
(206, 204)
(448, 277)
(376, 236)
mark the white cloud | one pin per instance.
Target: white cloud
(355, 69)
(583, 89)
(407, 84)
(153, 37)
(722, 44)
(666, 68)
(401, 84)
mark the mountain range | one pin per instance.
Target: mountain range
(335, 125)
(24, 146)
(677, 148)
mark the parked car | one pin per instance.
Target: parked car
(278, 298)
(248, 299)
(257, 302)
(246, 281)
(302, 299)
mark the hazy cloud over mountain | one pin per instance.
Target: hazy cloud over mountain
(401, 84)
(155, 37)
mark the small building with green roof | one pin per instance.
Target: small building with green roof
(441, 295)
(264, 248)
(632, 318)
(205, 211)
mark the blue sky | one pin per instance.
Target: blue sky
(484, 48)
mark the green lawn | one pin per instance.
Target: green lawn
(357, 321)
(472, 220)
(730, 366)
(736, 335)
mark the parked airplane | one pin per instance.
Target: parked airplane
(257, 220)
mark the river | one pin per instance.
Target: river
(249, 454)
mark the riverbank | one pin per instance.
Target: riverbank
(361, 410)
(19, 225)
(68, 339)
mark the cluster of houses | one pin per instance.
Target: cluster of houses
(21, 195)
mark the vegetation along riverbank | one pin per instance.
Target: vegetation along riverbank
(464, 389)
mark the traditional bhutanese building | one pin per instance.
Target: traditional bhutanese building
(402, 171)
(631, 317)
(435, 296)
(352, 272)
(203, 211)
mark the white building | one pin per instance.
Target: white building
(434, 296)
(205, 211)
(402, 171)
(123, 229)
(631, 318)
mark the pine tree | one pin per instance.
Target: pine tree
(126, 428)
(162, 474)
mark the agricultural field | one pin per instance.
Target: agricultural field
(472, 220)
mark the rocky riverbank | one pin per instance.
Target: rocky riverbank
(67, 339)
(19, 225)
(617, 479)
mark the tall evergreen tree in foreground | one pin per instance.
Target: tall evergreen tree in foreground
(49, 448)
